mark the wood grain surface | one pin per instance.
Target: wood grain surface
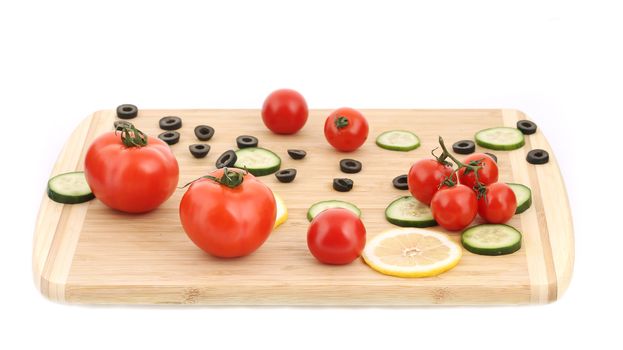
(88, 253)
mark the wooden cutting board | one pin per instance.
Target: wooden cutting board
(88, 253)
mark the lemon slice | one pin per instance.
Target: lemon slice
(411, 252)
(282, 211)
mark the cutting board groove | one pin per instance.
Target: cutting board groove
(88, 253)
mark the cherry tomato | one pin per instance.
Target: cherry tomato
(488, 174)
(454, 208)
(346, 129)
(499, 203)
(228, 221)
(424, 178)
(284, 111)
(133, 178)
(336, 236)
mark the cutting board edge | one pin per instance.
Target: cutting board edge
(50, 274)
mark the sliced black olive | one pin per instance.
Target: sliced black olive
(297, 153)
(199, 150)
(204, 132)
(464, 147)
(495, 158)
(526, 127)
(350, 166)
(244, 141)
(170, 123)
(286, 175)
(537, 156)
(127, 111)
(227, 159)
(342, 184)
(400, 182)
(170, 137)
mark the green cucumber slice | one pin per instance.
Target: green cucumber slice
(523, 195)
(398, 140)
(491, 239)
(409, 212)
(70, 188)
(318, 207)
(258, 161)
(503, 138)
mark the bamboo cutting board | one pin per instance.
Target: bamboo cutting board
(87, 253)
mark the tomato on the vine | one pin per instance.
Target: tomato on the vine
(454, 207)
(336, 236)
(346, 129)
(284, 111)
(425, 177)
(487, 174)
(228, 213)
(130, 171)
(498, 204)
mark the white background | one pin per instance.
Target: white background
(558, 61)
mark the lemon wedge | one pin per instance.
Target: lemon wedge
(282, 211)
(411, 252)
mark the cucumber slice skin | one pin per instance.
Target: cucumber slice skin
(525, 205)
(59, 197)
(420, 223)
(494, 251)
(331, 204)
(258, 171)
(395, 147)
(497, 146)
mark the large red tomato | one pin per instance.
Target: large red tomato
(229, 213)
(284, 111)
(425, 177)
(488, 174)
(455, 207)
(130, 171)
(346, 129)
(336, 236)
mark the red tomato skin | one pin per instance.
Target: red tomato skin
(131, 179)
(284, 111)
(424, 179)
(350, 137)
(336, 236)
(487, 175)
(228, 222)
(454, 208)
(499, 203)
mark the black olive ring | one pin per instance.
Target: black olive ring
(286, 175)
(342, 184)
(170, 137)
(400, 182)
(127, 111)
(537, 156)
(170, 123)
(464, 147)
(350, 166)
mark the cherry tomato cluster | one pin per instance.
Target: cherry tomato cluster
(456, 196)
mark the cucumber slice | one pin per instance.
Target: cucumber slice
(523, 195)
(409, 212)
(70, 188)
(398, 140)
(491, 239)
(503, 138)
(318, 207)
(258, 161)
